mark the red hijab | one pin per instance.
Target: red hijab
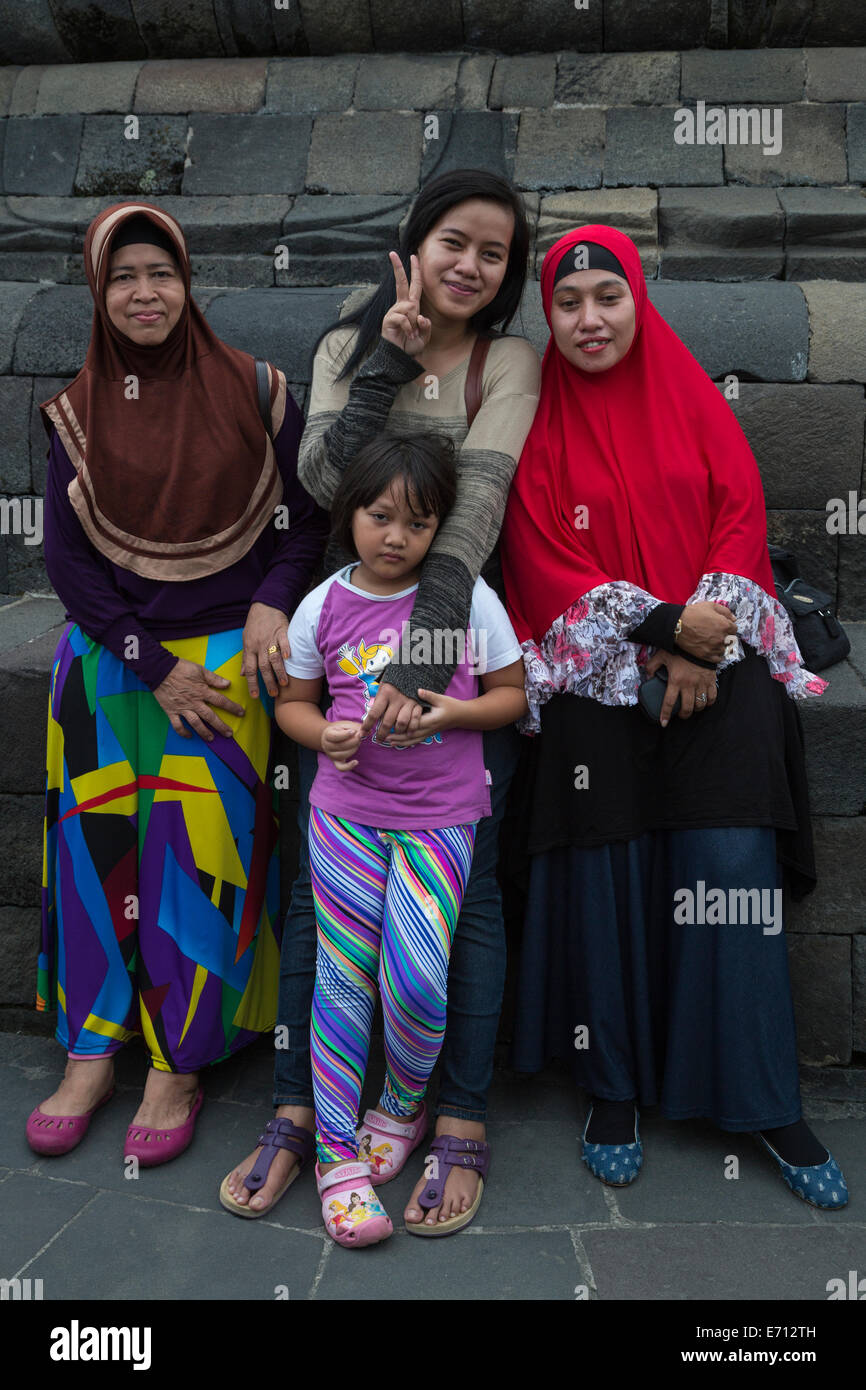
(654, 452)
(180, 479)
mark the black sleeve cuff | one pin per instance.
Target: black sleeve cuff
(657, 628)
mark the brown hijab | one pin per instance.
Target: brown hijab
(179, 480)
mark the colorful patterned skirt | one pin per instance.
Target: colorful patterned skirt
(160, 899)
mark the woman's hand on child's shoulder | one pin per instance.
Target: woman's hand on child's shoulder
(340, 741)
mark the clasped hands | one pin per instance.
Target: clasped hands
(405, 719)
(706, 628)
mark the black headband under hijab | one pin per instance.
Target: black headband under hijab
(594, 257)
(140, 230)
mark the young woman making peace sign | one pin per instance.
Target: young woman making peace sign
(399, 365)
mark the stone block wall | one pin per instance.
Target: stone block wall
(69, 31)
(291, 174)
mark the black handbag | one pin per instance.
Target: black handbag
(820, 636)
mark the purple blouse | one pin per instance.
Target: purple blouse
(110, 603)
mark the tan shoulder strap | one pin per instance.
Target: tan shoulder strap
(474, 374)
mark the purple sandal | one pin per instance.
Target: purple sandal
(277, 1134)
(446, 1152)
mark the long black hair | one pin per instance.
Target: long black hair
(424, 463)
(432, 203)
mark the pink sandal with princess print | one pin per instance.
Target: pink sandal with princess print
(385, 1143)
(352, 1212)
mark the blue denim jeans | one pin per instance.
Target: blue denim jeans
(476, 973)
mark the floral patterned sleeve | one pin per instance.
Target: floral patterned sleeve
(587, 650)
(762, 623)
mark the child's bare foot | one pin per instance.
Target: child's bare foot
(82, 1088)
(461, 1185)
(283, 1163)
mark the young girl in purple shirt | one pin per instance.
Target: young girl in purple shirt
(392, 824)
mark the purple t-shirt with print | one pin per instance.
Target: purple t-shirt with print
(349, 635)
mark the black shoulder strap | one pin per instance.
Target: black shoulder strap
(263, 387)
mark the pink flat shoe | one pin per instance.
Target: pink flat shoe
(58, 1134)
(153, 1146)
(386, 1143)
(352, 1213)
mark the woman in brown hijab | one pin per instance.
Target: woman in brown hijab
(167, 502)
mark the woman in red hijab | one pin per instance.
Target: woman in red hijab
(634, 540)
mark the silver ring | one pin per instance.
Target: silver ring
(702, 699)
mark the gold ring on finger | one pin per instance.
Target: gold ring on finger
(272, 649)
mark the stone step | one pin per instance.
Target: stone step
(729, 233)
(63, 31)
(387, 150)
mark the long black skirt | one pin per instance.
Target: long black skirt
(695, 1016)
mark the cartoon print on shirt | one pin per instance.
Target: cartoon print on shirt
(368, 663)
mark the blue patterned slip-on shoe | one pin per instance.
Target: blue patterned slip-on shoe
(822, 1184)
(615, 1164)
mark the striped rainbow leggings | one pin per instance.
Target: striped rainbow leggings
(387, 903)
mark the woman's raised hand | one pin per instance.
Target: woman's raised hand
(188, 692)
(706, 626)
(404, 325)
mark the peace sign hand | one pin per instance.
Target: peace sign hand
(404, 325)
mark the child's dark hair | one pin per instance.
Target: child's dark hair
(424, 463)
(436, 198)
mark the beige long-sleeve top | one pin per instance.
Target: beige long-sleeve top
(391, 393)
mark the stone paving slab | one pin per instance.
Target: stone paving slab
(683, 1178)
(717, 1262)
(476, 1265)
(34, 1209)
(27, 618)
(166, 1251)
(546, 1226)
